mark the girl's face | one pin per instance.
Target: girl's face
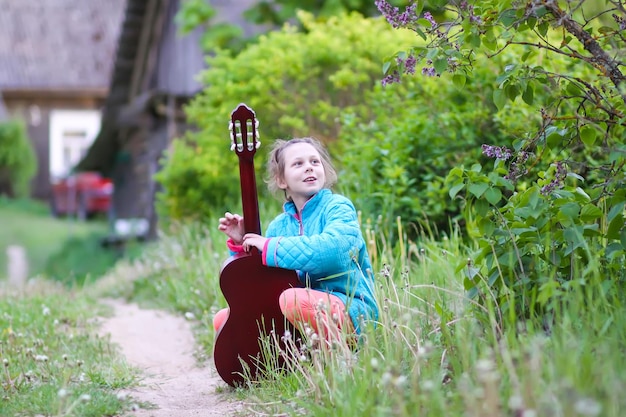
(304, 173)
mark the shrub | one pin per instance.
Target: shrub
(555, 195)
(299, 83)
(18, 163)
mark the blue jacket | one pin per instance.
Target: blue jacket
(325, 246)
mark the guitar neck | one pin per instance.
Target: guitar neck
(244, 139)
(249, 200)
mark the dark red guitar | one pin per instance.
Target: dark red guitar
(250, 288)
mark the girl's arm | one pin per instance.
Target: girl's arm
(324, 253)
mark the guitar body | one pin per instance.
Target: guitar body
(250, 288)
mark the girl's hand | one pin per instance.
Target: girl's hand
(252, 240)
(232, 225)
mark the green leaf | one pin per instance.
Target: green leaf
(440, 65)
(588, 135)
(386, 66)
(420, 32)
(615, 227)
(606, 30)
(570, 210)
(613, 249)
(476, 168)
(486, 226)
(508, 17)
(527, 54)
(590, 213)
(490, 43)
(512, 91)
(459, 80)
(481, 207)
(617, 209)
(573, 236)
(554, 140)
(455, 190)
(478, 188)
(499, 99)
(529, 95)
(493, 195)
(424, 22)
(473, 40)
(573, 89)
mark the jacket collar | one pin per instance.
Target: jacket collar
(290, 208)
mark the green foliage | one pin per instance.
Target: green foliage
(558, 198)
(199, 15)
(278, 12)
(18, 163)
(299, 83)
(434, 351)
(536, 244)
(196, 14)
(396, 156)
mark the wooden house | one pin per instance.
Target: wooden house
(155, 75)
(56, 59)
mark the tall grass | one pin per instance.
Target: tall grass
(434, 351)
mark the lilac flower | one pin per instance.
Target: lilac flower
(517, 168)
(499, 152)
(431, 19)
(429, 71)
(393, 15)
(558, 181)
(620, 21)
(391, 78)
(409, 64)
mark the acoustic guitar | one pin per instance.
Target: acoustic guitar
(250, 288)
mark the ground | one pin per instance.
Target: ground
(161, 346)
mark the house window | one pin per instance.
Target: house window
(71, 134)
(75, 144)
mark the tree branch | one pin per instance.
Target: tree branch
(601, 59)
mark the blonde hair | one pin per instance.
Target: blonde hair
(276, 163)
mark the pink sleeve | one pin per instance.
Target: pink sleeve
(264, 252)
(233, 246)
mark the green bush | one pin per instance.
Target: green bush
(299, 83)
(394, 159)
(18, 163)
(549, 217)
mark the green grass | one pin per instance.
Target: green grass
(28, 224)
(54, 363)
(433, 352)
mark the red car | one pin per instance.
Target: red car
(83, 194)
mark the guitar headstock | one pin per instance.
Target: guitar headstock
(244, 134)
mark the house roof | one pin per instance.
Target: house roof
(58, 44)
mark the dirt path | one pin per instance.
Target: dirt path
(162, 346)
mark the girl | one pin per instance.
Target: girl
(318, 235)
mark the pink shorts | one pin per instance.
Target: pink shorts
(324, 312)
